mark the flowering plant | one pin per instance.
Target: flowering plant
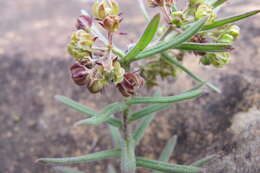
(195, 29)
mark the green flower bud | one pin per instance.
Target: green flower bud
(205, 60)
(204, 10)
(97, 86)
(177, 18)
(118, 72)
(75, 52)
(218, 59)
(226, 38)
(234, 30)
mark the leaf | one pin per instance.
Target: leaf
(163, 46)
(204, 161)
(128, 160)
(62, 169)
(169, 99)
(144, 124)
(225, 21)
(111, 169)
(116, 136)
(147, 111)
(166, 167)
(167, 151)
(104, 115)
(205, 47)
(83, 109)
(192, 75)
(218, 3)
(143, 9)
(145, 39)
(86, 158)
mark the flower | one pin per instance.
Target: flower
(79, 74)
(131, 80)
(156, 3)
(84, 22)
(205, 10)
(111, 23)
(102, 9)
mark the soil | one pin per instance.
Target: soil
(34, 68)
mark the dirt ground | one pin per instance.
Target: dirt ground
(34, 68)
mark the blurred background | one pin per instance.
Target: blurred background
(34, 68)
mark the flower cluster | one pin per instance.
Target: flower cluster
(96, 67)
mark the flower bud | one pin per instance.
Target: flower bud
(83, 22)
(111, 23)
(97, 86)
(75, 52)
(118, 72)
(79, 74)
(234, 30)
(226, 38)
(155, 3)
(218, 59)
(205, 60)
(131, 80)
(177, 18)
(169, 3)
(204, 10)
(83, 40)
(102, 9)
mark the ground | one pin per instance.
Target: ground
(34, 67)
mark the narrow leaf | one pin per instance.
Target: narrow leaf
(218, 3)
(143, 9)
(144, 124)
(204, 161)
(192, 75)
(86, 158)
(147, 111)
(83, 109)
(163, 46)
(205, 47)
(145, 39)
(167, 151)
(128, 160)
(62, 169)
(169, 99)
(116, 136)
(166, 167)
(111, 169)
(104, 115)
(225, 21)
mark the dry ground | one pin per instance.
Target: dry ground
(34, 67)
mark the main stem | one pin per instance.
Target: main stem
(128, 160)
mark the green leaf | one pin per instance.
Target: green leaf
(205, 47)
(111, 169)
(193, 76)
(169, 99)
(163, 46)
(83, 109)
(104, 115)
(204, 161)
(128, 160)
(144, 124)
(62, 169)
(148, 111)
(167, 151)
(166, 167)
(225, 21)
(116, 136)
(218, 3)
(145, 39)
(143, 9)
(86, 158)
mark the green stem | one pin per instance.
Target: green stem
(128, 159)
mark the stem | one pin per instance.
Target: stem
(128, 159)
